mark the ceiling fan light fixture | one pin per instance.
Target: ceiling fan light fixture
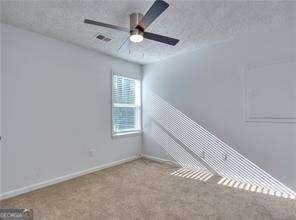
(136, 36)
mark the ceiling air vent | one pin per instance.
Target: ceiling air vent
(103, 38)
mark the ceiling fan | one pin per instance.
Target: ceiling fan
(138, 24)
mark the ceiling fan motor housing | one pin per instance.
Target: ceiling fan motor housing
(135, 19)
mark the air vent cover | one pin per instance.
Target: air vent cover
(103, 38)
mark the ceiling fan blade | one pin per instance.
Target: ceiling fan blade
(154, 11)
(87, 21)
(124, 47)
(160, 38)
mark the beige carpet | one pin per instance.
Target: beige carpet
(146, 190)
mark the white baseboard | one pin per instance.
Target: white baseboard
(43, 184)
(158, 159)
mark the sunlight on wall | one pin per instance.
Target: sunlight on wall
(220, 157)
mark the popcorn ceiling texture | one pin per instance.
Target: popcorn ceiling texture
(195, 23)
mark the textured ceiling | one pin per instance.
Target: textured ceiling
(195, 23)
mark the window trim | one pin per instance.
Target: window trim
(127, 133)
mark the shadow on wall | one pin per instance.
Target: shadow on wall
(185, 141)
(176, 151)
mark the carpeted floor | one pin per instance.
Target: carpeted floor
(146, 190)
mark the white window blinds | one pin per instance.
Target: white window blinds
(126, 104)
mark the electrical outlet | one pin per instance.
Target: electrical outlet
(38, 176)
(91, 153)
(203, 155)
(225, 156)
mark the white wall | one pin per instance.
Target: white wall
(56, 105)
(208, 86)
(0, 108)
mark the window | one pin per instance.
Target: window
(126, 105)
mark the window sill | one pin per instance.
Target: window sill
(127, 134)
